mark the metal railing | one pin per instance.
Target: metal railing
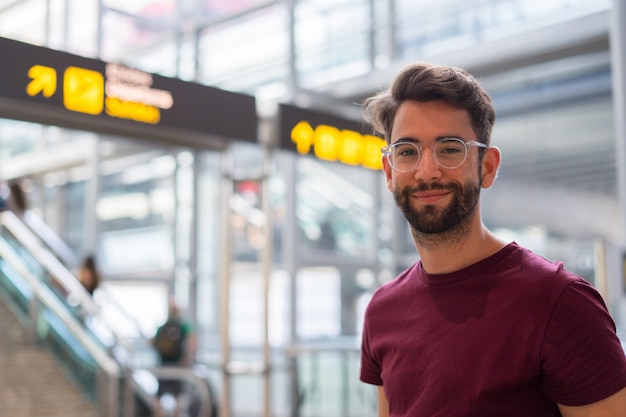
(42, 299)
(50, 293)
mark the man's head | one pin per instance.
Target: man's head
(425, 82)
(433, 117)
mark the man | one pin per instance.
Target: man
(175, 344)
(478, 327)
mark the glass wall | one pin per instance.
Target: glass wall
(426, 29)
(25, 20)
(331, 41)
(247, 53)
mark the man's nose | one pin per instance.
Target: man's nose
(427, 167)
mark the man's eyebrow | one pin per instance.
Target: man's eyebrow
(416, 140)
(407, 139)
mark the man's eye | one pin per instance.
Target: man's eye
(406, 151)
(449, 148)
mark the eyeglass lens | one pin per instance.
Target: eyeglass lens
(449, 153)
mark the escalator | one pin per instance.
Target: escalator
(60, 315)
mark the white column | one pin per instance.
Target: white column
(616, 300)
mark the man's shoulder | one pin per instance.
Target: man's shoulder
(526, 272)
(540, 266)
(403, 285)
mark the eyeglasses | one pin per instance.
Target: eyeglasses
(449, 152)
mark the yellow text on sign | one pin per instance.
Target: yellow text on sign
(83, 90)
(332, 144)
(138, 112)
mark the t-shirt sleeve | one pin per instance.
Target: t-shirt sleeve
(582, 358)
(370, 371)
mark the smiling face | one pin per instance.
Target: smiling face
(437, 200)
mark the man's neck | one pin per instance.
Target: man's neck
(444, 253)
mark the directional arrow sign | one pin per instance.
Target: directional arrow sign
(42, 85)
(83, 90)
(44, 81)
(330, 137)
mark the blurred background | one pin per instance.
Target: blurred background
(272, 253)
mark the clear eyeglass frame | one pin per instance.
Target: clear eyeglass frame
(449, 152)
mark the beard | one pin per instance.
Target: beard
(432, 223)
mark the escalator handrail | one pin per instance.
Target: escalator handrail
(52, 265)
(72, 286)
(51, 239)
(65, 278)
(43, 294)
(58, 247)
(191, 376)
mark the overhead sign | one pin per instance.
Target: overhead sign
(328, 137)
(51, 87)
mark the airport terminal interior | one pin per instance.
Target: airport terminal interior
(198, 185)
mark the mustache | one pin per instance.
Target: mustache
(433, 186)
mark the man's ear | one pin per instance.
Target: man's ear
(388, 171)
(490, 165)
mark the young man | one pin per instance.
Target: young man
(478, 327)
(175, 343)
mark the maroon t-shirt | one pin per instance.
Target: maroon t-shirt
(511, 335)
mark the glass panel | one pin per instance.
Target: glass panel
(25, 21)
(58, 25)
(328, 384)
(29, 261)
(217, 10)
(105, 324)
(37, 270)
(330, 303)
(550, 146)
(82, 30)
(136, 214)
(51, 330)
(426, 27)
(248, 218)
(13, 286)
(17, 137)
(247, 53)
(153, 9)
(247, 310)
(149, 45)
(334, 205)
(70, 202)
(318, 303)
(148, 314)
(74, 357)
(332, 41)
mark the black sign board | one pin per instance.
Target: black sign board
(328, 137)
(45, 86)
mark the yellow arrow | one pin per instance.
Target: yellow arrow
(303, 135)
(44, 81)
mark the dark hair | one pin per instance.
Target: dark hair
(18, 196)
(426, 82)
(89, 267)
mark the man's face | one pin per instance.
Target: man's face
(434, 199)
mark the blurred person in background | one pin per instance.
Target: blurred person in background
(477, 327)
(89, 275)
(13, 198)
(4, 196)
(175, 344)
